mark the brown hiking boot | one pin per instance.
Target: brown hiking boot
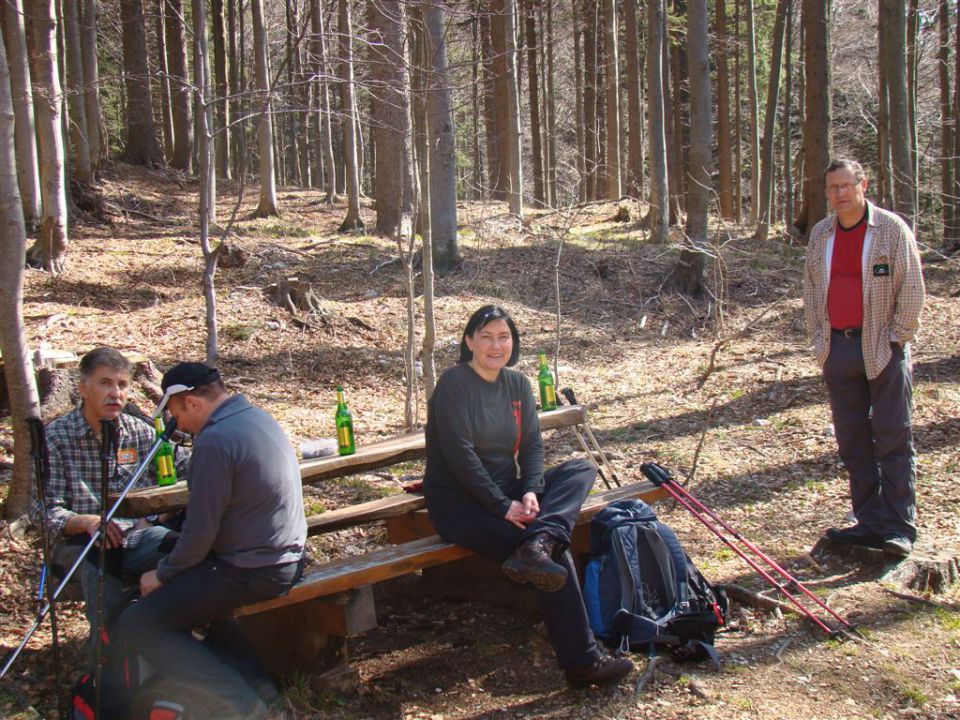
(533, 563)
(605, 670)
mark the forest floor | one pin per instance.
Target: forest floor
(754, 441)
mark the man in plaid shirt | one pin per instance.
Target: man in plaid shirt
(73, 498)
(863, 292)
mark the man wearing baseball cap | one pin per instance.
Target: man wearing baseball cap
(242, 542)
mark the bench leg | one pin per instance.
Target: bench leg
(311, 637)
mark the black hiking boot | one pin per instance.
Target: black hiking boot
(533, 563)
(897, 546)
(855, 535)
(605, 670)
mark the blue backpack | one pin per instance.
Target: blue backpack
(642, 591)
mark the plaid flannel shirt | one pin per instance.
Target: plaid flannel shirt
(73, 487)
(893, 289)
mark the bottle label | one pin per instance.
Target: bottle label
(548, 398)
(344, 436)
(166, 475)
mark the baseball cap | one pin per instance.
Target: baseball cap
(183, 377)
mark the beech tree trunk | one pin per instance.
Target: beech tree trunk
(767, 174)
(788, 187)
(515, 196)
(946, 126)
(692, 262)
(25, 132)
(141, 140)
(353, 220)
(612, 76)
(659, 190)
(205, 127)
(91, 93)
(893, 55)
(590, 123)
(180, 92)
(724, 147)
(221, 126)
(268, 183)
(166, 109)
(390, 105)
(17, 368)
(579, 103)
(635, 139)
(50, 250)
(76, 83)
(754, 113)
(818, 116)
(442, 155)
(533, 85)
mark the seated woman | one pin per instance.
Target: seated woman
(486, 489)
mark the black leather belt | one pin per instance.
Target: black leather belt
(847, 332)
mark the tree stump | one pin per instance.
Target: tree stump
(622, 214)
(927, 569)
(232, 256)
(295, 295)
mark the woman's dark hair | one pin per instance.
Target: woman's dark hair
(482, 317)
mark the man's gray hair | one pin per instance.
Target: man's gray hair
(845, 164)
(103, 357)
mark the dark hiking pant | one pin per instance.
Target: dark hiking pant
(223, 665)
(565, 488)
(872, 421)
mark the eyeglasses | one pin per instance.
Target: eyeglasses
(841, 187)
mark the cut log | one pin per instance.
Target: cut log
(232, 256)
(295, 295)
(927, 570)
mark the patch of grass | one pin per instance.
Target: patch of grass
(914, 695)
(313, 506)
(815, 485)
(724, 553)
(239, 331)
(949, 620)
(737, 394)
(281, 228)
(364, 490)
(741, 702)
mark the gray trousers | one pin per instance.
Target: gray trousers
(872, 420)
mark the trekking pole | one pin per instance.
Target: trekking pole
(753, 548)
(109, 446)
(138, 473)
(661, 478)
(605, 468)
(41, 468)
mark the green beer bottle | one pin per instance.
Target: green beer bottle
(344, 420)
(166, 470)
(548, 397)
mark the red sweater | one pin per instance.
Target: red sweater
(845, 295)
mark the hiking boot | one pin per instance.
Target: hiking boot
(533, 563)
(854, 535)
(897, 545)
(605, 670)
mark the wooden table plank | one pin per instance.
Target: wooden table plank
(383, 453)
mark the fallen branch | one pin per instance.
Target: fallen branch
(647, 676)
(754, 599)
(952, 607)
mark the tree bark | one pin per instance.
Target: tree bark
(612, 76)
(17, 368)
(268, 184)
(893, 55)
(205, 129)
(766, 212)
(551, 111)
(533, 86)
(353, 220)
(141, 140)
(76, 83)
(659, 191)
(222, 128)
(25, 132)
(724, 147)
(579, 104)
(442, 155)
(818, 115)
(754, 113)
(591, 140)
(181, 95)
(390, 104)
(737, 121)
(788, 187)
(51, 247)
(635, 139)
(166, 109)
(692, 261)
(91, 94)
(515, 196)
(946, 126)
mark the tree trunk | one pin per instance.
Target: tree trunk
(767, 174)
(946, 126)
(166, 109)
(579, 104)
(442, 155)
(353, 220)
(894, 58)
(25, 133)
(737, 122)
(754, 113)
(141, 140)
(181, 94)
(690, 266)
(788, 189)
(268, 184)
(233, 81)
(91, 94)
(612, 74)
(551, 111)
(591, 140)
(221, 126)
(635, 139)
(51, 247)
(818, 122)
(673, 104)
(724, 147)
(659, 190)
(515, 196)
(533, 85)
(476, 106)
(205, 129)
(390, 104)
(17, 368)
(76, 84)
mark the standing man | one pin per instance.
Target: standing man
(862, 295)
(73, 501)
(243, 541)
